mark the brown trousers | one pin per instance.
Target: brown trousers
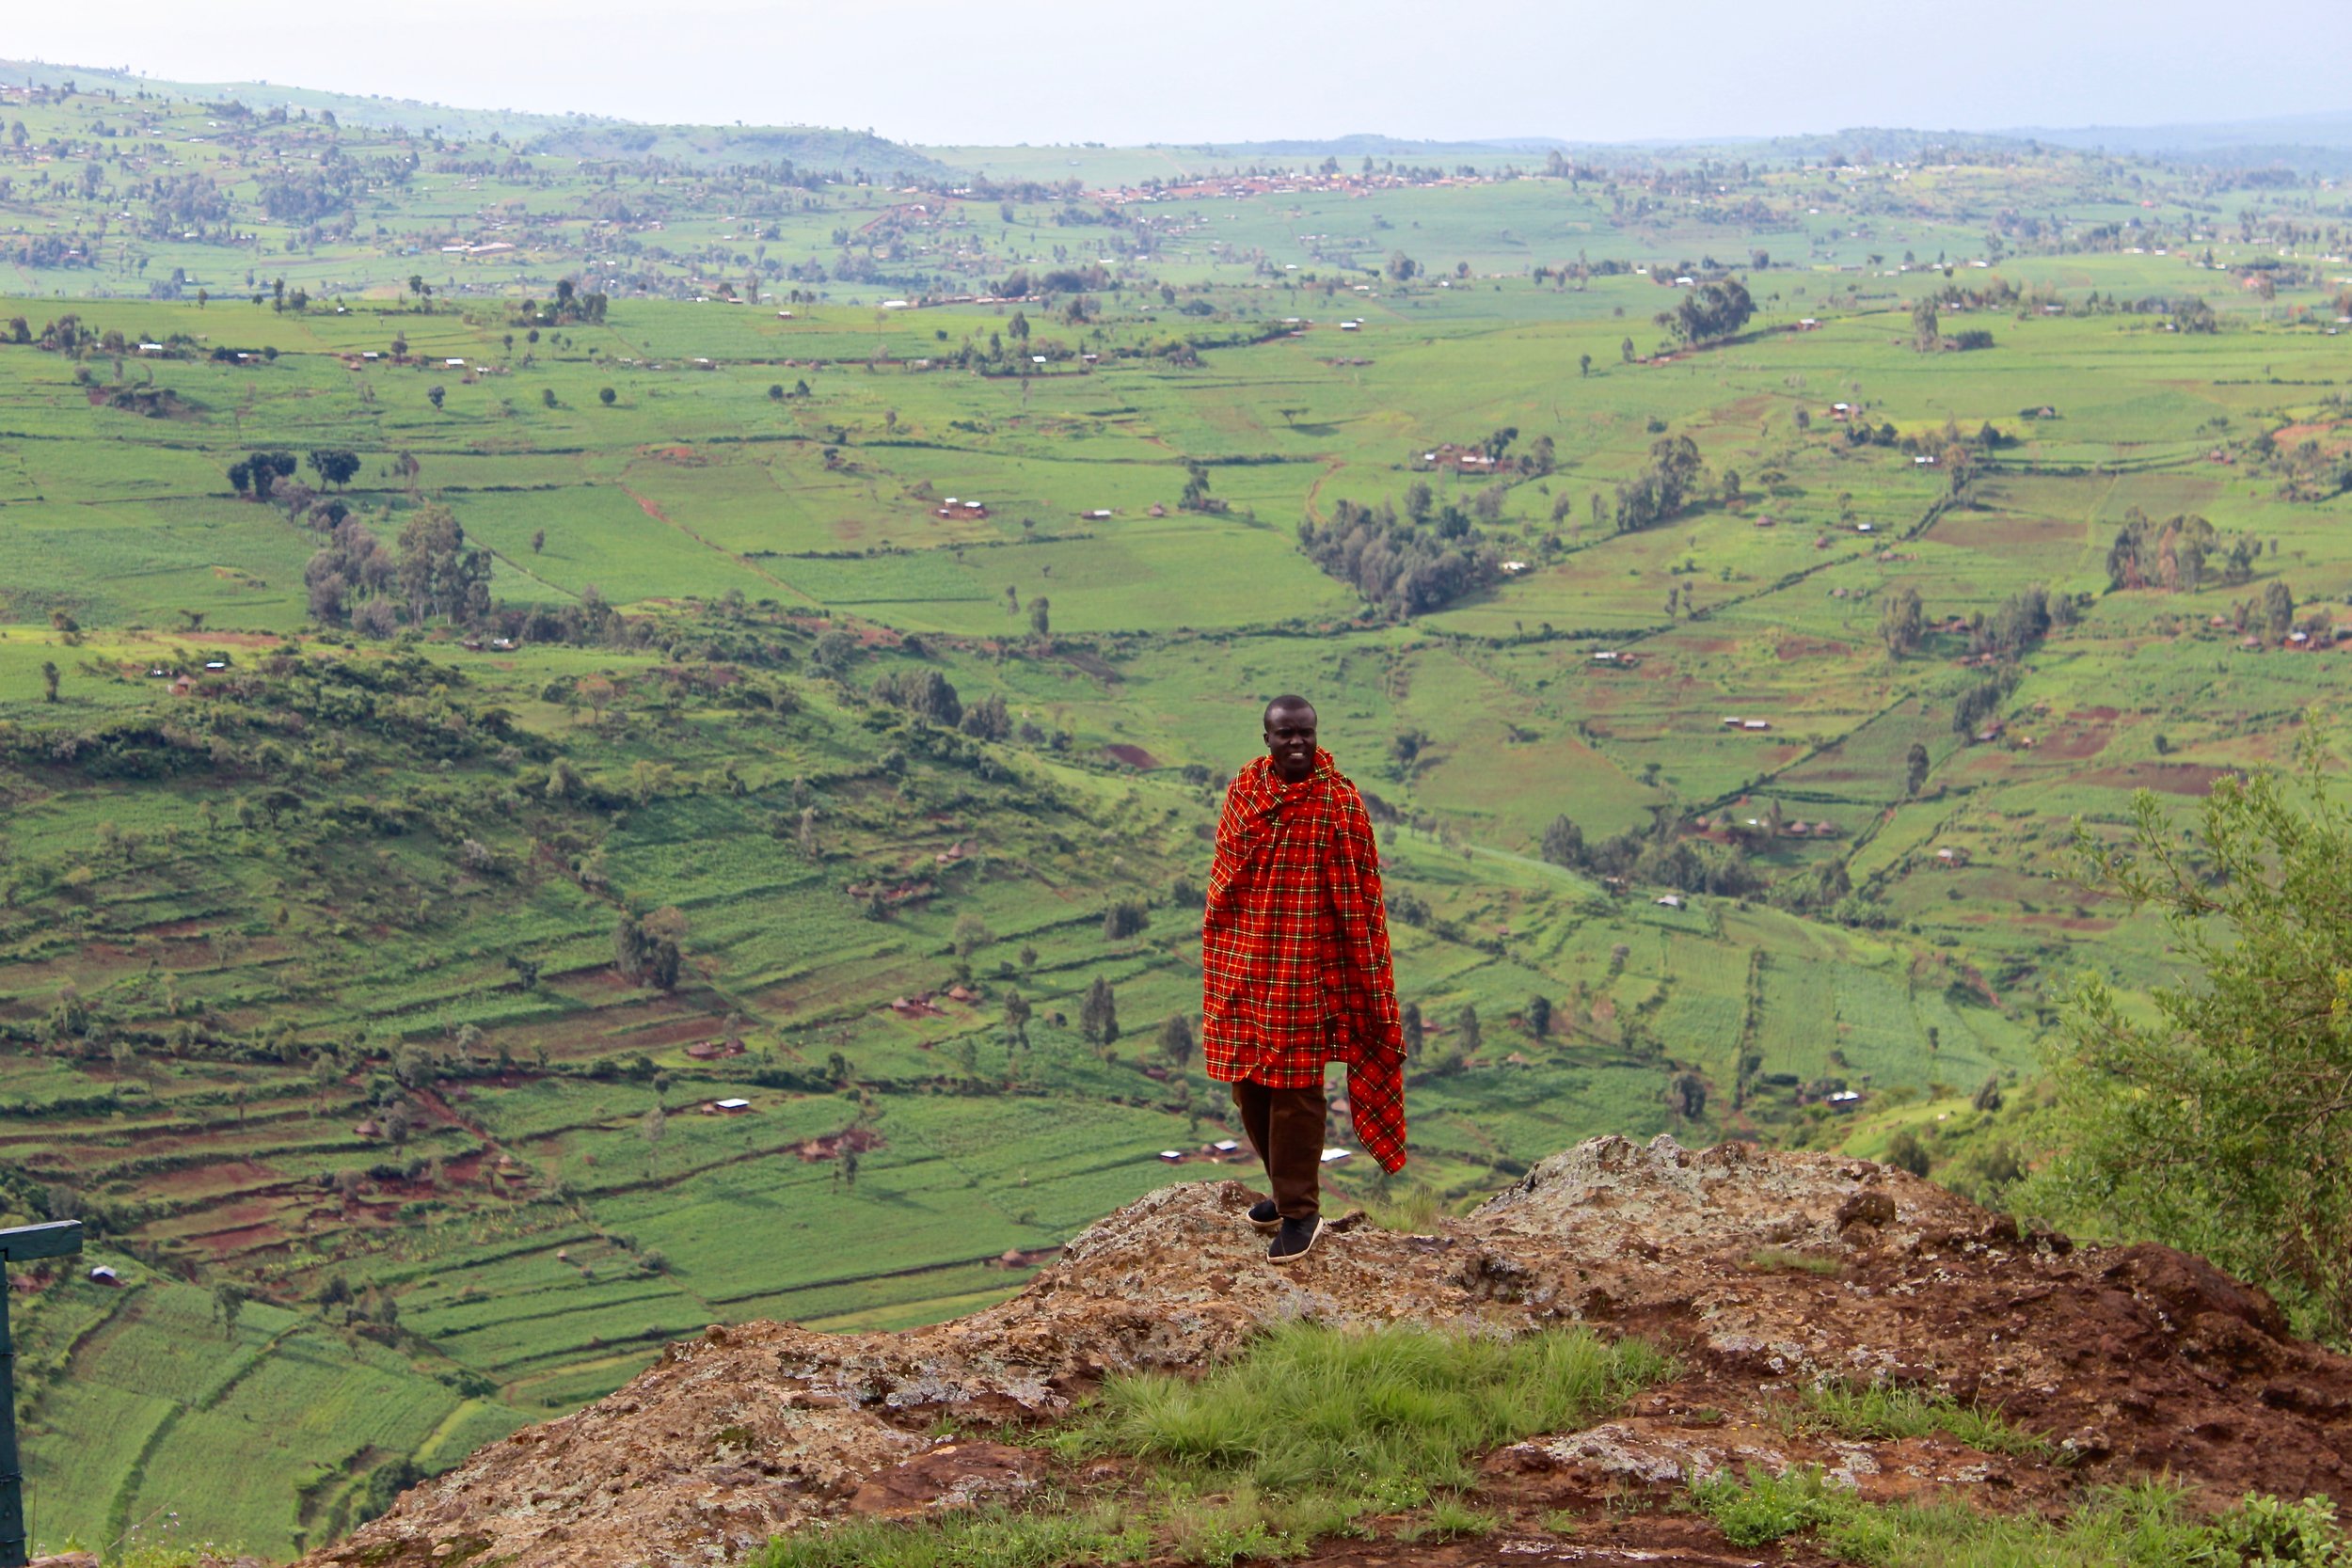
(1285, 1127)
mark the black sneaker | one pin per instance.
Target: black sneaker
(1296, 1238)
(1266, 1216)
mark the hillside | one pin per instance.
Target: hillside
(574, 135)
(608, 702)
(1762, 1275)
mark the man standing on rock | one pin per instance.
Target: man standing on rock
(1294, 960)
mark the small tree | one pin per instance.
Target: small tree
(1176, 1042)
(1539, 1016)
(1563, 842)
(1904, 1151)
(971, 934)
(606, 396)
(1915, 768)
(228, 1299)
(651, 1127)
(1098, 1014)
(48, 680)
(1927, 334)
(434, 393)
(2219, 1125)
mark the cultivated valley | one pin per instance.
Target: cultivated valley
(607, 730)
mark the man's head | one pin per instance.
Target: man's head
(1290, 737)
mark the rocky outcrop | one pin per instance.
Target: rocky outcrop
(1758, 1270)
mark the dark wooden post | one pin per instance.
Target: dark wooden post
(59, 1239)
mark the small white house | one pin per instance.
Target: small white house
(731, 1107)
(1171, 1155)
(1755, 723)
(1514, 566)
(1669, 901)
(455, 364)
(1225, 1146)
(104, 1276)
(1333, 1156)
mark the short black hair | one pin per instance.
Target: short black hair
(1287, 699)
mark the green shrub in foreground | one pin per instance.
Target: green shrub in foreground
(1308, 1431)
(2136, 1527)
(1314, 1407)
(1872, 1413)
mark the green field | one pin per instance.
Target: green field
(312, 903)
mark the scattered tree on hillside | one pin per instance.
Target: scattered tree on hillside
(228, 1299)
(48, 680)
(1098, 1014)
(2278, 609)
(1176, 1043)
(1914, 769)
(1563, 842)
(1709, 311)
(926, 693)
(1927, 331)
(988, 719)
(651, 1127)
(1903, 623)
(1904, 1151)
(334, 465)
(1539, 1016)
(1661, 491)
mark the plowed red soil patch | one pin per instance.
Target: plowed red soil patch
(1132, 756)
(2165, 778)
(1793, 648)
(2072, 745)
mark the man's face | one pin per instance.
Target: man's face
(1290, 739)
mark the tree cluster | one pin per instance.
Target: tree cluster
(925, 693)
(1402, 566)
(1709, 311)
(2175, 555)
(1660, 491)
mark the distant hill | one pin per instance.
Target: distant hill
(2307, 143)
(561, 134)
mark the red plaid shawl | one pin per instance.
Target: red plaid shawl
(1295, 949)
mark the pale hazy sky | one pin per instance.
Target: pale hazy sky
(1120, 71)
